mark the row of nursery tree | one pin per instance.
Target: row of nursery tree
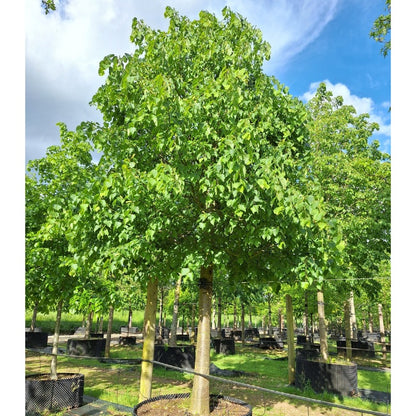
(210, 172)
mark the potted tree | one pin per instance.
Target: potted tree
(57, 179)
(207, 169)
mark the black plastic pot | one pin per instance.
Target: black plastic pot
(89, 347)
(96, 335)
(127, 340)
(301, 339)
(270, 343)
(213, 400)
(336, 378)
(65, 393)
(180, 356)
(251, 333)
(182, 337)
(224, 346)
(36, 339)
(360, 348)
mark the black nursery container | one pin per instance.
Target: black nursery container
(179, 356)
(88, 347)
(360, 348)
(127, 340)
(336, 378)
(36, 339)
(170, 397)
(45, 394)
(224, 346)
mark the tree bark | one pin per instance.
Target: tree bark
(192, 334)
(129, 321)
(89, 324)
(243, 324)
(347, 320)
(270, 316)
(200, 389)
(353, 318)
(172, 339)
(370, 321)
(149, 330)
(54, 360)
(219, 326)
(322, 325)
(382, 334)
(109, 331)
(161, 314)
(290, 339)
(34, 315)
(100, 327)
(305, 317)
(235, 314)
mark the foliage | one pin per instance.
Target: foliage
(355, 184)
(380, 31)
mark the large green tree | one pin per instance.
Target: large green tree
(206, 162)
(380, 31)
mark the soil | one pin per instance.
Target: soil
(179, 407)
(61, 376)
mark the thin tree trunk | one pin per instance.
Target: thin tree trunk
(54, 361)
(192, 334)
(322, 325)
(219, 326)
(149, 330)
(109, 332)
(290, 339)
(370, 322)
(161, 314)
(100, 327)
(172, 339)
(382, 334)
(89, 324)
(305, 317)
(353, 318)
(280, 321)
(250, 318)
(235, 314)
(34, 315)
(270, 316)
(347, 320)
(243, 324)
(129, 321)
(200, 389)
(214, 313)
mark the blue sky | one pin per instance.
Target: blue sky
(311, 40)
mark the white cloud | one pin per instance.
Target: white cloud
(64, 48)
(378, 114)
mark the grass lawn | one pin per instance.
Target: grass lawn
(119, 383)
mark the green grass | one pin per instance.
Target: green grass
(70, 322)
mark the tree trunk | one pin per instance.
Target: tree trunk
(347, 320)
(370, 321)
(270, 316)
(280, 321)
(305, 317)
(353, 318)
(192, 334)
(161, 314)
(235, 315)
(172, 339)
(100, 328)
(290, 339)
(250, 318)
(214, 313)
(243, 324)
(219, 326)
(322, 325)
(382, 334)
(129, 321)
(54, 361)
(109, 331)
(200, 389)
(89, 324)
(34, 314)
(149, 330)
